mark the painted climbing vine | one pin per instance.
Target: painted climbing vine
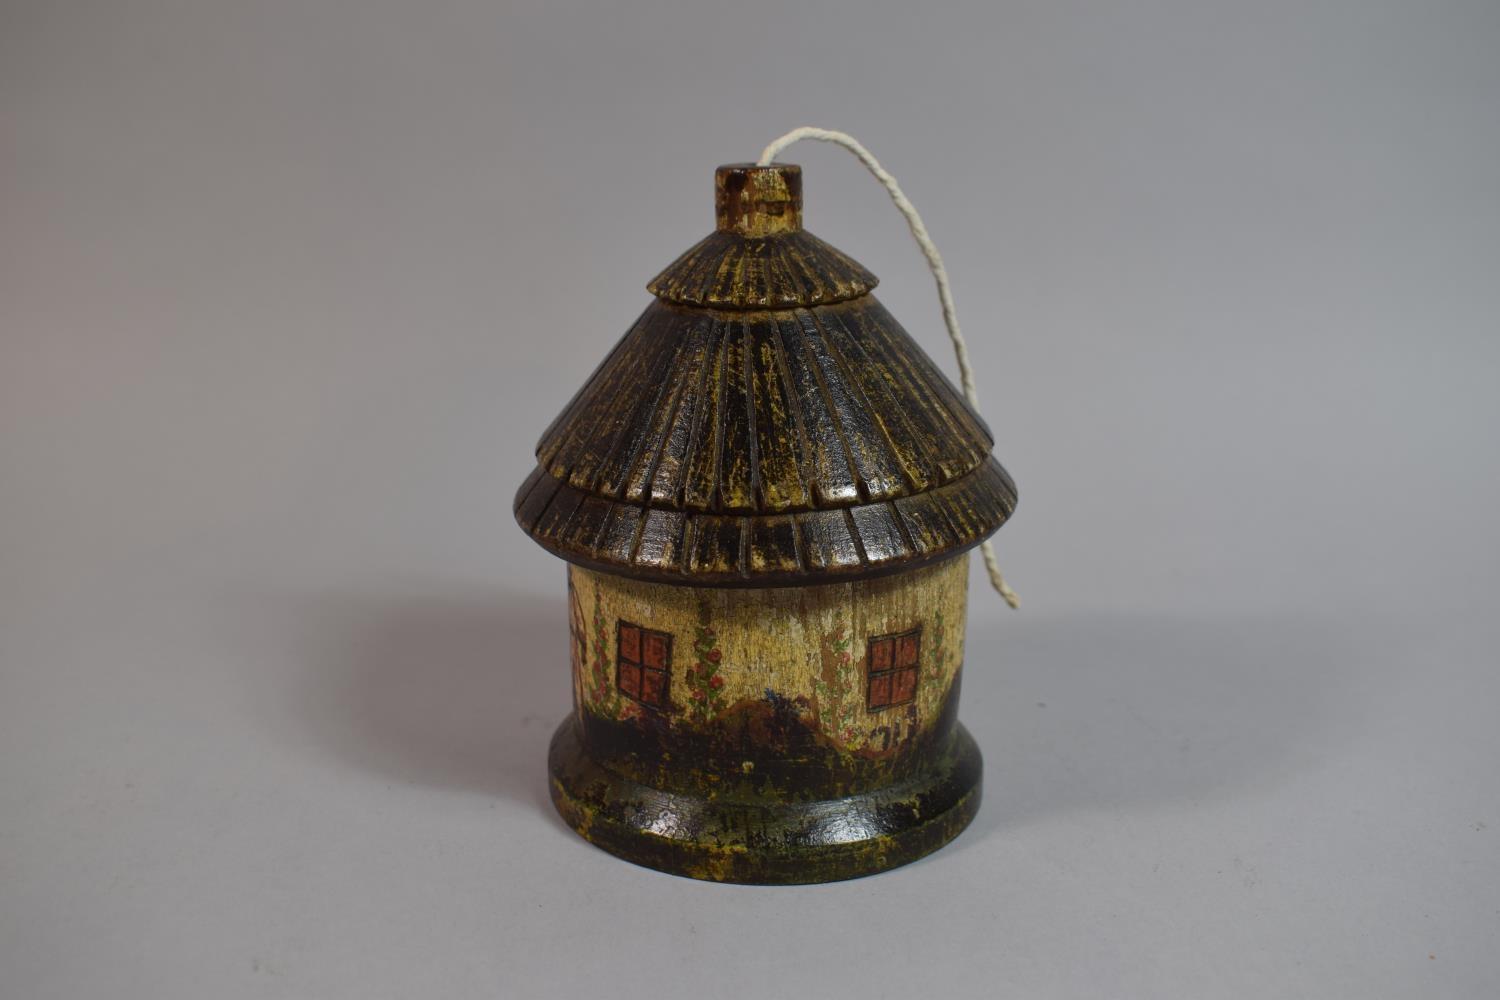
(705, 682)
(838, 688)
(735, 649)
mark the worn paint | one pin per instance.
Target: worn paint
(804, 644)
(755, 752)
(766, 493)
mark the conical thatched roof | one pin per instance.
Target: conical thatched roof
(764, 422)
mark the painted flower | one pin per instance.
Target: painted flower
(716, 681)
(714, 656)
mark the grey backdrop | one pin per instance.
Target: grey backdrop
(289, 289)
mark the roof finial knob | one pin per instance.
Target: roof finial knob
(753, 200)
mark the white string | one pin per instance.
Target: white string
(939, 274)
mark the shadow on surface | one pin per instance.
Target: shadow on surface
(1128, 715)
(456, 692)
(1108, 715)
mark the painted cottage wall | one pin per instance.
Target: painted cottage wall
(873, 660)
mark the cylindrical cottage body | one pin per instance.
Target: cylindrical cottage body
(846, 672)
(767, 492)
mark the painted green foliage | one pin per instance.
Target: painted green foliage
(937, 654)
(606, 698)
(608, 702)
(705, 684)
(838, 689)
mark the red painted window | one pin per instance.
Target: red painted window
(891, 669)
(643, 664)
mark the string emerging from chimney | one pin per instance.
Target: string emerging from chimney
(939, 274)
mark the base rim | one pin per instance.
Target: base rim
(765, 843)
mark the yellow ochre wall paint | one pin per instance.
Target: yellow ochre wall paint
(814, 643)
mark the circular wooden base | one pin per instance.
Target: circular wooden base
(753, 839)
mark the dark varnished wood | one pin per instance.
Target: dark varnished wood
(728, 271)
(738, 550)
(765, 422)
(791, 445)
(759, 256)
(841, 826)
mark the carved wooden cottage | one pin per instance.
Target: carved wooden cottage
(766, 493)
